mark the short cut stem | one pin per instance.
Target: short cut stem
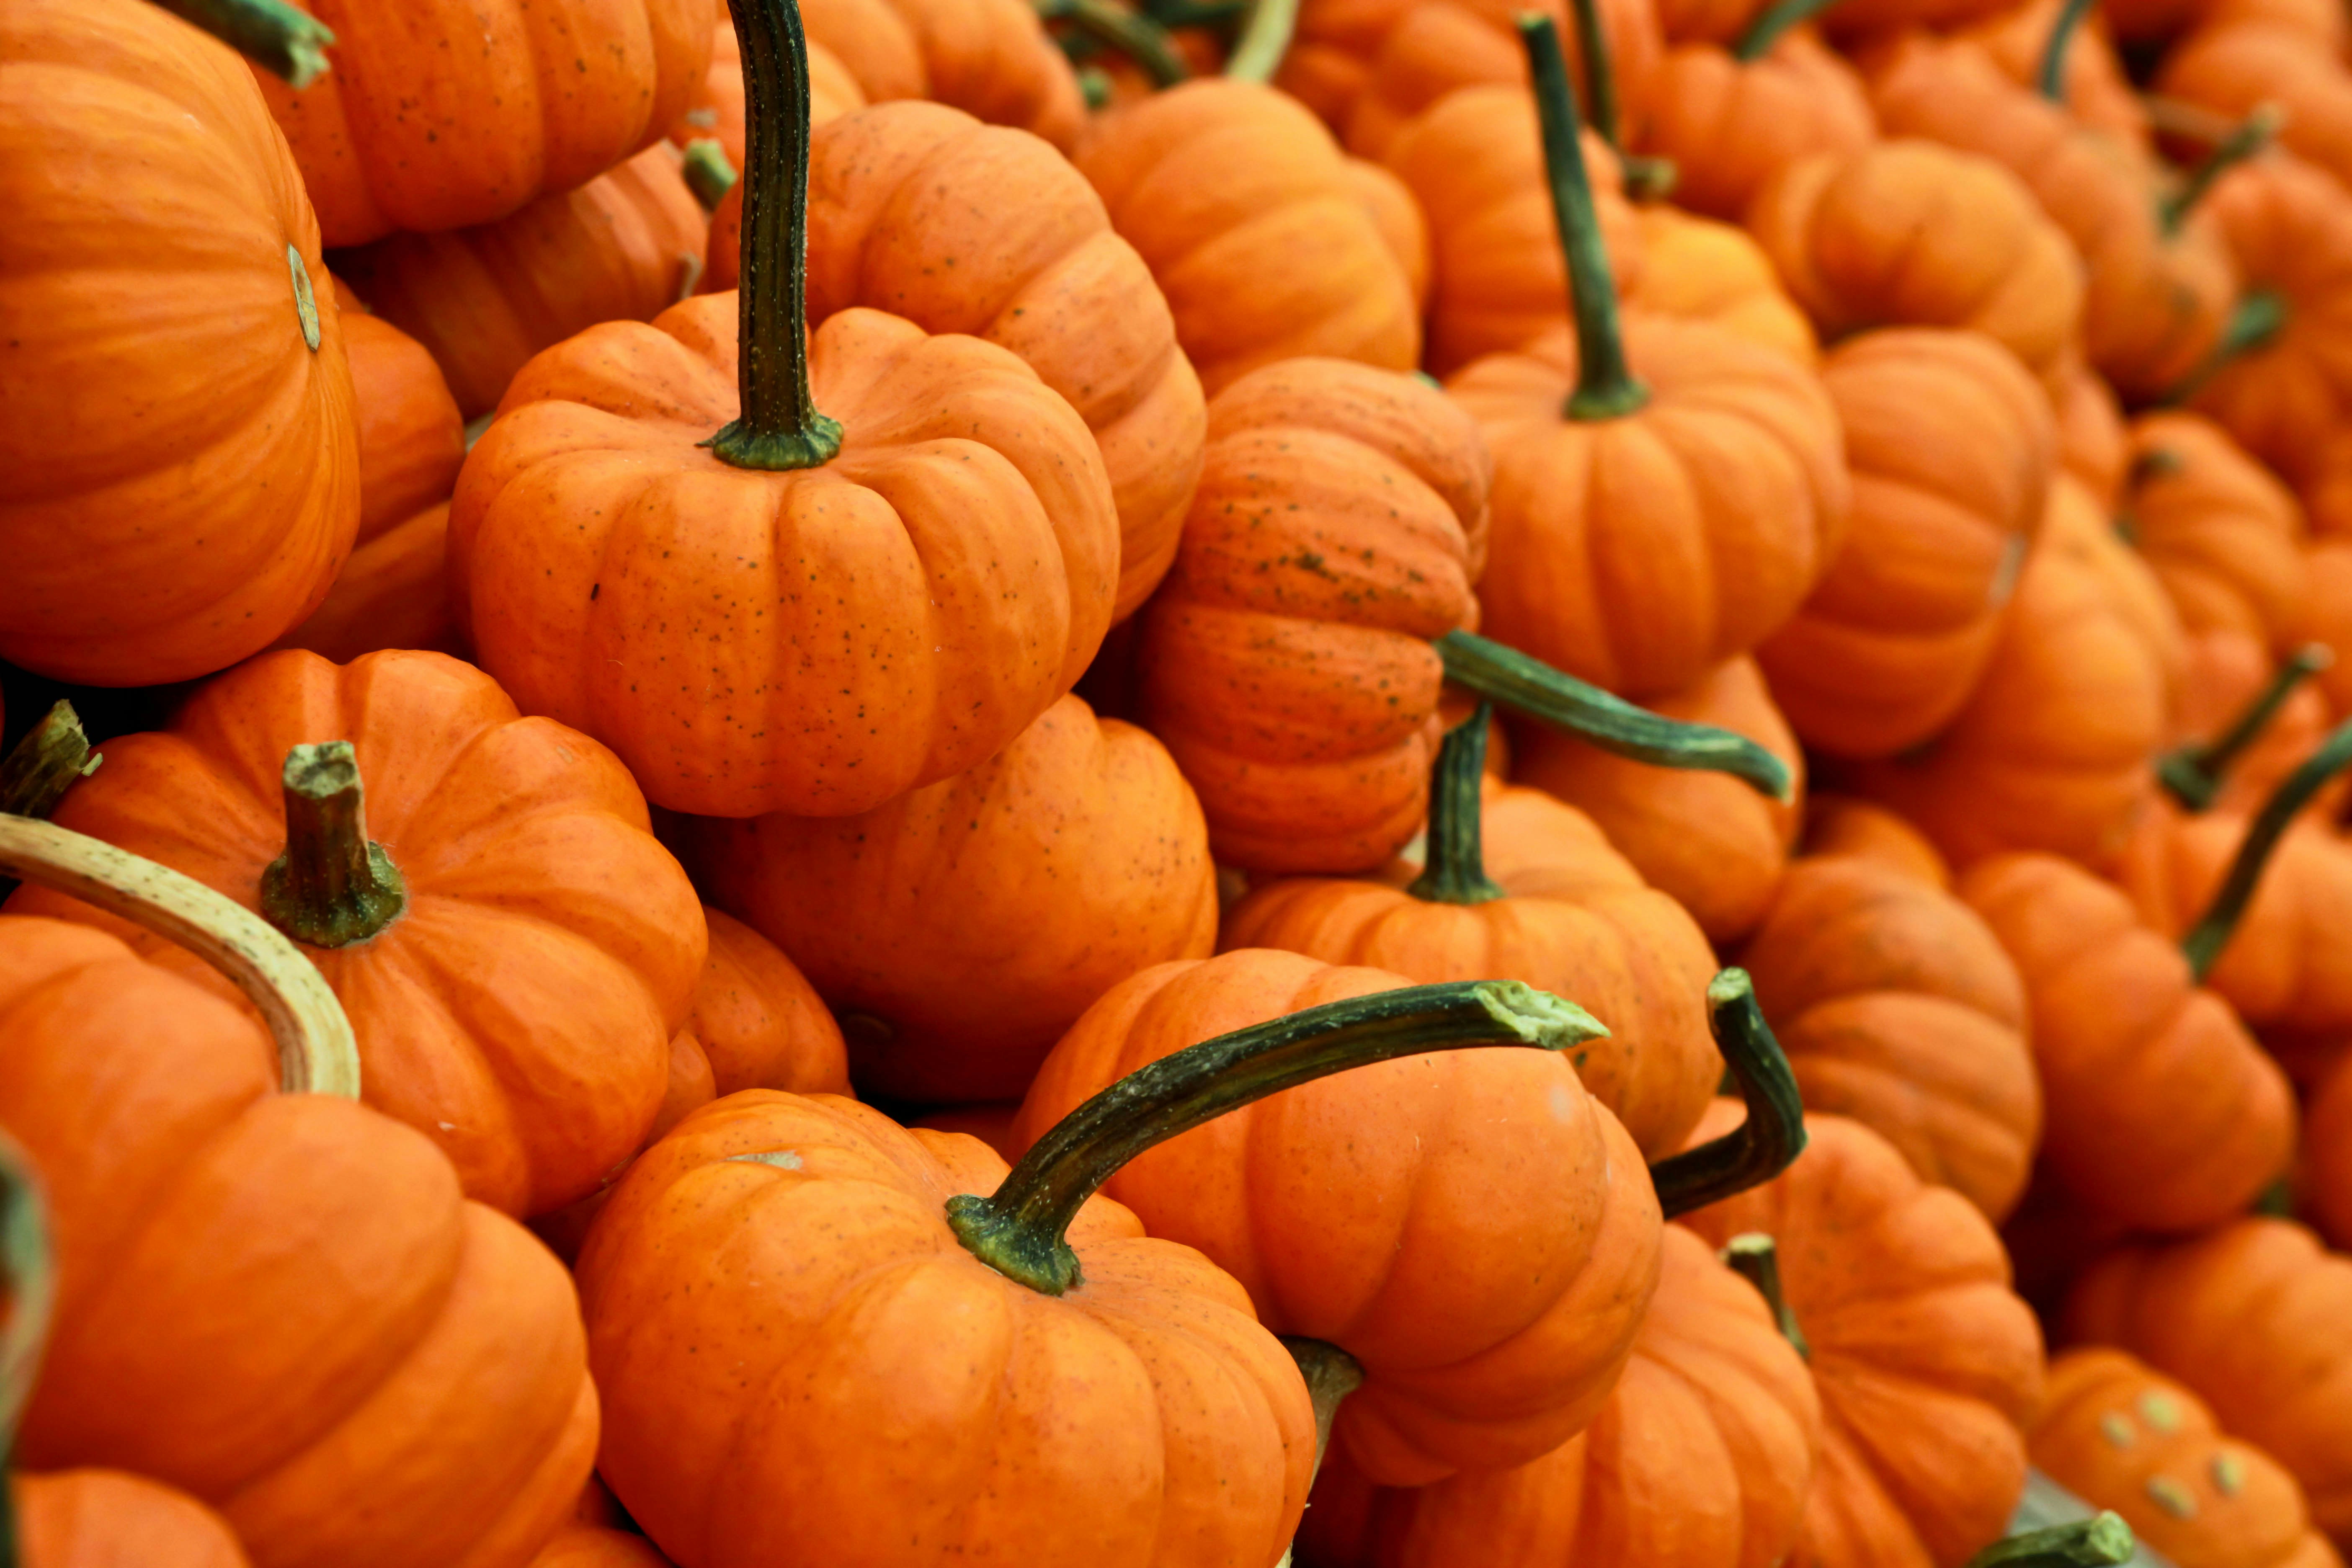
(2206, 940)
(1770, 1141)
(2100, 1543)
(2195, 774)
(1756, 1257)
(2052, 76)
(1453, 867)
(333, 886)
(708, 173)
(276, 37)
(53, 757)
(1020, 1229)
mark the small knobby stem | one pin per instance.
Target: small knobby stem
(708, 174)
(334, 886)
(2213, 929)
(51, 759)
(1139, 38)
(1018, 1230)
(1774, 24)
(274, 35)
(2194, 773)
(1605, 384)
(1453, 867)
(1756, 1257)
(778, 426)
(316, 1052)
(1529, 686)
(2099, 1543)
(2253, 134)
(1265, 40)
(1770, 1141)
(31, 1292)
(2052, 76)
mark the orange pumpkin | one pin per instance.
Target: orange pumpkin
(261, 1295)
(1285, 662)
(961, 929)
(1843, 825)
(2118, 1027)
(1697, 268)
(2224, 536)
(2091, 440)
(717, 110)
(179, 481)
(1730, 119)
(991, 59)
(2249, 1317)
(2233, 67)
(515, 948)
(108, 1518)
(1925, 1362)
(1895, 637)
(2244, 725)
(1271, 254)
(2326, 1188)
(590, 1546)
(2120, 1435)
(2086, 77)
(1701, 1459)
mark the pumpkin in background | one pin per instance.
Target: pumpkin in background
(799, 611)
(108, 1518)
(1698, 268)
(1893, 638)
(1475, 1229)
(484, 299)
(1562, 911)
(1898, 1008)
(991, 59)
(1910, 233)
(1860, 19)
(590, 1546)
(2091, 439)
(1269, 254)
(2052, 749)
(2119, 1435)
(518, 950)
(1925, 1362)
(259, 1290)
(393, 591)
(1732, 117)
(2224, 537)
(1701, 1459)
(1710, 842)
(1843, 825)
(717, 110)
(1286, 662)
(2250, 1317)
(2234, 67)
(2325, 615)
(179, 481)
(2093, 86)
(2233, 681)
(2118, 1027)
(2326, 1187)
(961, 929)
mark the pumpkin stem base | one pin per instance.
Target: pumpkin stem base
(333, 886)
(2098, 1542)
(777, 451)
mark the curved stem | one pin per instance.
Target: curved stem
(1018, 1230)
(708, 174)
(1453, 871)
(1531, 687)
(31, 1289)
(2195, 774)
(1768, 28)
(1265, 40)
(778, 426)
(1756, 1257)
(2052, 76)
(2260, 316)
(2249, 136)
(1605, 385)
(334, 886)
(316, 1053)
(1138, 39)
(51, 759)
(2098, 1542)
(2211, 933)
(1770, 1141)
(274, 35)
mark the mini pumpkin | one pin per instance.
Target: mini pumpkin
(1731, 117)
(716, 111)
(2066, 54)
(2091, 439)
(110, 1518)
(590, 1546)
(2234, 66)
(1844, 825)
(2325, 1189)
(2224, 536)
(1698, 268)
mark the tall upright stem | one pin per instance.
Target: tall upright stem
(1774, 24)
(2194, 773)
(1770, 1141)
(1756, 1257)
(1605, 384)
(2052, 77)
(1019, 1231)
(778, 426)
(273, 35)
(2099, 1543)
(2211, 933)
(1454, 869)
(2251, 135)
(334, 886)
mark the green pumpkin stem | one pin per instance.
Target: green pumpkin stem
(778, 427)
(51, 759)
(1646, 179)
(1605, 385)
(273, 35)
(709, 173)
(1265, 40)
(333, 886)
(1534, 689)
(2246, 139)
(2050, 79)
(2099, 1543)
(1756, 1257)
(31, 1289)
(1760, 1148)
(2213, 929)
(1774, 24)
(1019, 1231)
(2194, 773)
(1453, 867)
(2261, 315)
(1139, 38)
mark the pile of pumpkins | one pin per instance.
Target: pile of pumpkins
(1390, 783)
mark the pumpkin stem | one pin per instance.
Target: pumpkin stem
(1331, 1376)
(2260, 316)
(1529, 686)
(316, 1052)
(1774, 24)
(2247, 138)
(1018, 1230)
(2098, 1542)
(30, 1280)
(333, 886)
(2211, 933)
(1646, 179)
(1139, 38)
(2052, 77)
(1770, 1141)
(51, 758)
(1756, 1257)
(1265, 40)
(1453, 870)
(1605, 385)
(708, 174)
(778, 427)
(2194, 773)
(273, 35)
